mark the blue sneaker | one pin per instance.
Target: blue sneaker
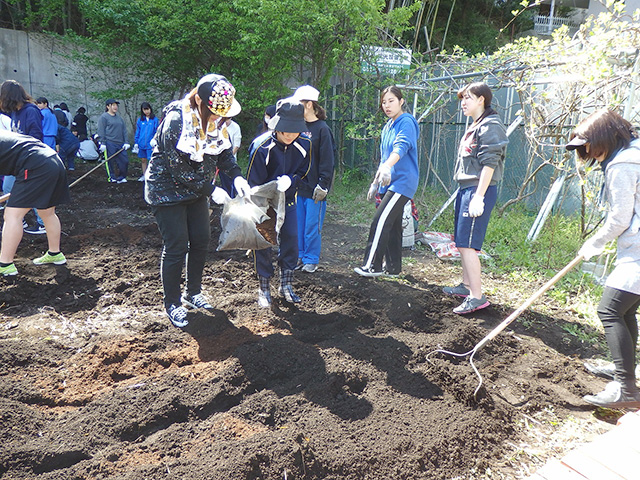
(178, 315)
(196, 301)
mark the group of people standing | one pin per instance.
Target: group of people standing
(604, 139)
(478, 169)
(192, 144)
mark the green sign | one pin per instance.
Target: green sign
(384, 60)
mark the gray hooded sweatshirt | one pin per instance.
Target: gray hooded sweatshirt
(482, 145)
(622, 187)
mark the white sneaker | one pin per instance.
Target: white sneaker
(122, 180)
(367, 272)
(141, 179)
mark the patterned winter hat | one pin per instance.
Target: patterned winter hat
(219, 95)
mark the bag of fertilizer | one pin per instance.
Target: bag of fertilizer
(253, 222)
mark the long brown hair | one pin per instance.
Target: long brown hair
(203, 110)
(13, 96)
(605, 131)
(317, 109)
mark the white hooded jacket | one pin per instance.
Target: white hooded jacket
(622, 187)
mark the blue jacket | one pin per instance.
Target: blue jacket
(401, 136)
(49, 123)
(28, 121)
(269, 159)
(67, 141)
(145, 130)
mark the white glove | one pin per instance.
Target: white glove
(135, 149)
(153, 143)
(126, 146)
(383, 175)
(220, 196)
(103, 148)
(284, 182)
(476, 206)
(588, 250)
(371, 194)
(242, 186)
(319, 194)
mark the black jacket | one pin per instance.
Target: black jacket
(172, 177)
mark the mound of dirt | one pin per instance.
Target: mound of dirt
(95, 383)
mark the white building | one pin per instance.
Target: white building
(548, 18)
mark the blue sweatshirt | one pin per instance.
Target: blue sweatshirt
(145, 130)
(401, 136)
(28, 121)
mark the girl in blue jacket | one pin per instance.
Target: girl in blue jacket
(397, 181)
(146, 127)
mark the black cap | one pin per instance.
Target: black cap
(110, 101)
(289, 117)
(576, 142)
(271, 111)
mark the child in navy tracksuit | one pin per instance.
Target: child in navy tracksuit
(68, 145)
(283, 156)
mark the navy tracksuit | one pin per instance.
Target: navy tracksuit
(269, 159)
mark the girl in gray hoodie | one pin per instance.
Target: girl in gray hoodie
(610, 140)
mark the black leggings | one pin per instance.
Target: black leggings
(617, 312)
(185, 234)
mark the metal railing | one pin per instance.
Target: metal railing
(544, 25)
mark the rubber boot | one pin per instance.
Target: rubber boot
(286, 291)
(264, 292)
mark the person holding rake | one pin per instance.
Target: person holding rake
(606, 139)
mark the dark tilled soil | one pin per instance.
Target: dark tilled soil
(95, 383)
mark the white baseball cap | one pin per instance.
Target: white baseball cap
(306, 92)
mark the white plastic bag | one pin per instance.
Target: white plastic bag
(252, 223)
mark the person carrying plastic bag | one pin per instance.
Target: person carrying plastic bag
(283, 157)
(190, 149)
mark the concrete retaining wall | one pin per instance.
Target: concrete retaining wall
(41, 64)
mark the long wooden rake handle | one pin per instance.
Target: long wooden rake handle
(96, 167)
(509, 320)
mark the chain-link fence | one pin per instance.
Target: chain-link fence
(440, 132)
